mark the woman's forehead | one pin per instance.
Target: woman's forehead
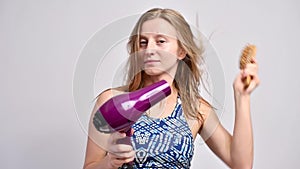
(158, 26)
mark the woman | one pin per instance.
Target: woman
(161, 47)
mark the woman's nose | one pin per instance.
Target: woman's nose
(150, 49)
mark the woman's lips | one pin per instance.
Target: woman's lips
(151, 61)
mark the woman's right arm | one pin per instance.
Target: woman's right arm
(96, 157)
(102, 150)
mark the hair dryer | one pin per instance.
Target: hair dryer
(120, 112)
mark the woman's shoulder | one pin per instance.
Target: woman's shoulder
(205, 105)
(109, 93)
(204, 102)
(206, 108)
(210, 118)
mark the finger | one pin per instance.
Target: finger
(253, 60)
(121, 148)
(119, 160)
(125, 155)
(244, 74)
(116, 163)
(251, 87)
(253, 66)
(253, 84)
(251, 70)
(129, 160)
(253, 81)
(245, 78)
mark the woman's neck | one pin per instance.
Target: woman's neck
(153, 79)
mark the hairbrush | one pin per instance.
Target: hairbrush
(247, 55)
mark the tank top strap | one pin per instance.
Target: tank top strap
(177, 112)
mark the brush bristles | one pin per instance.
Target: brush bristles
(248, 53)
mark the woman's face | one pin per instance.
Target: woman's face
(159, 47)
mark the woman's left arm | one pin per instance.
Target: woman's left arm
(236, 150)
(242, 140)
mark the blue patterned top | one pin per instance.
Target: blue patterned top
(163, 143)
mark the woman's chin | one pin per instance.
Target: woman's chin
(153, 71)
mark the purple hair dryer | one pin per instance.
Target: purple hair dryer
(120, 112)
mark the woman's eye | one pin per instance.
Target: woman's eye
(143, 43)
(161, 41)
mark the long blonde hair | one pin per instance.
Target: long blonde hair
(188, 75)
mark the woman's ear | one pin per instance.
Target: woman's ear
(181, 53)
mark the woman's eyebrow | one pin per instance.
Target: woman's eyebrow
(143, 37)
(157, 35)
(163, 35)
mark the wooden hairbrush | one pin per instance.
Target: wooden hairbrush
(247, 55)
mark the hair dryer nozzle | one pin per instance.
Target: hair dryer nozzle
(101, 124)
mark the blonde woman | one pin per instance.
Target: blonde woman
(162, 46)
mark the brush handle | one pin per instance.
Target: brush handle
(247, 81)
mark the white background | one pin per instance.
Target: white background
(40, 42)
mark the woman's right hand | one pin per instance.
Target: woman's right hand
(118, 153)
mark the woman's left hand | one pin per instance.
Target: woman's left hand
(251, 69)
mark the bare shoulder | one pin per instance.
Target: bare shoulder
(109, 93)
(205, 108)
(204, 111)
(210, 119)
